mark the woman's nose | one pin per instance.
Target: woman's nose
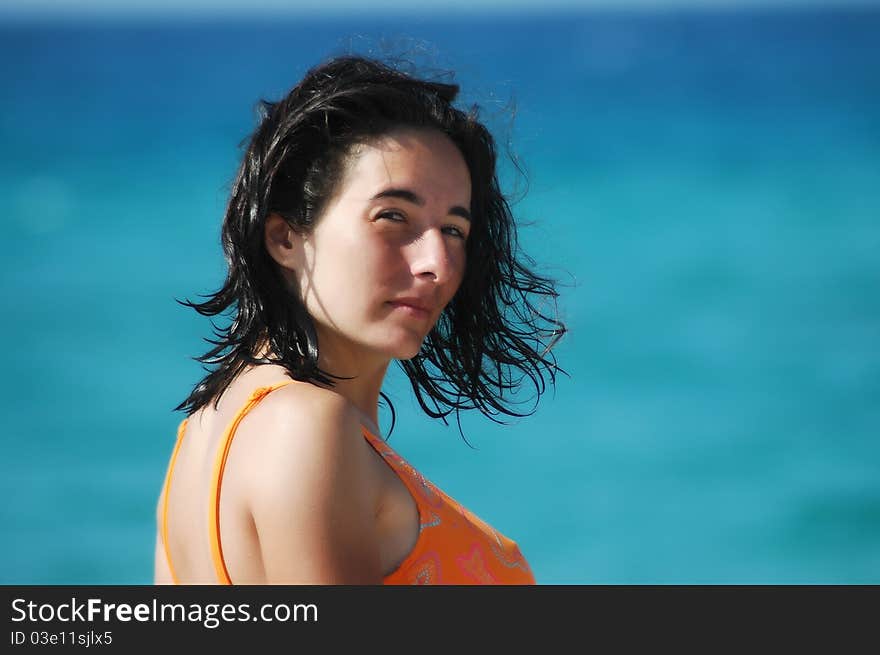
(430, 257)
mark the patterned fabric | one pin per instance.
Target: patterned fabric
(454, 546)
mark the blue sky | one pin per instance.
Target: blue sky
(293, 6)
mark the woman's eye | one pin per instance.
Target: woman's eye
(397, 217)
(455, 231)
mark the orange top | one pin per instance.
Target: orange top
(454, 547)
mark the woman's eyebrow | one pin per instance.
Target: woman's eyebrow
(414, 198)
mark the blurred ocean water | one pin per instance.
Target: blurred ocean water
(705, 184)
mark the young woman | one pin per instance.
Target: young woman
(365, 225)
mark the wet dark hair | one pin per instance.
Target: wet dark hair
(495, 333)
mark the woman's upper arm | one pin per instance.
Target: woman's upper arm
(313, 503)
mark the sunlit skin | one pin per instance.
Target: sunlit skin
(385, 257)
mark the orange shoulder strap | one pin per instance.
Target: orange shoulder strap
(217, 477)
(180, 430)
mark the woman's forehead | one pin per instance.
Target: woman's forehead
(426, 159)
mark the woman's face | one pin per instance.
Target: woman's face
(388, 252)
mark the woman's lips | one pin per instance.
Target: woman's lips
(411, 308)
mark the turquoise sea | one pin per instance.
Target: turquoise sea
(706, 185)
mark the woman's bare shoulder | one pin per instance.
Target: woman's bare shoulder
(281, 419)
(310, 488)
(299, 423)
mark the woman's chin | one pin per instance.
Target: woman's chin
(408, 353)
(404, 349)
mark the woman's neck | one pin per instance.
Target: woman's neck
(360, 382)
(362, 389)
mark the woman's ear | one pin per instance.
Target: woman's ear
(282, 242)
